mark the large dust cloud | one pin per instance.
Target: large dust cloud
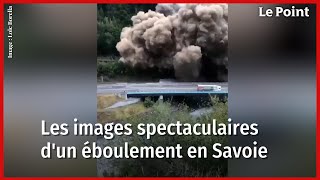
(192, 39)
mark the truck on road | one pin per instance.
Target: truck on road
(203, 87)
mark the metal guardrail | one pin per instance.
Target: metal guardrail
(176, 92)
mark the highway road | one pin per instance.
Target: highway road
(160, 87)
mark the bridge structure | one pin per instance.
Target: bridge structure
(160, 89)
(174, 93)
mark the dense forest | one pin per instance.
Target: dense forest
(111, 20)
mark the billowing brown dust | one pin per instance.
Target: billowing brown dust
(190, 38)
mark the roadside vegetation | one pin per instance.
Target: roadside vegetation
(112, 70)
(165, 112)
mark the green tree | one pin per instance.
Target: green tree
(111, 19)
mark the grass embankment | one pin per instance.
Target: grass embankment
(121, 113)
(108, 100)
(116, 114)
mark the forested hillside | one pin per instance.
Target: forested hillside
(111, 20)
